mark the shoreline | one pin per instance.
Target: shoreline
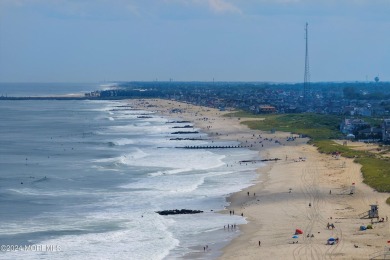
(284, 190)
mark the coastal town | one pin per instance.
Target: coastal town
(363, 108)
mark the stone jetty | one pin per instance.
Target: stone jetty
(178, 211)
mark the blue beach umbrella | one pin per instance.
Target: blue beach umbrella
(295, 236)
(331, 239)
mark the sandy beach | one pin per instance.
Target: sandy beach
(303, 190)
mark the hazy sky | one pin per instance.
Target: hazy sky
(186, 40)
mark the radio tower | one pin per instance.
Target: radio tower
(306, 82)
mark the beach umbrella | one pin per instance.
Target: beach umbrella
(298, 231)
(295, 236)
(331, 239)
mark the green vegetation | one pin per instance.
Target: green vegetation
(376, 172)
(241, 113)
(322, 129)
(317, 127)
(329, 147)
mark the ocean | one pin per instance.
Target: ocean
(84, 179)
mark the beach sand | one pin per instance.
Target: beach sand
(278, 203)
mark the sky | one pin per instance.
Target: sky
(193, 40)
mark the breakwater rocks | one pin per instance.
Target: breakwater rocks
(144, 117)
(190, 139)
(178, 211)
(174, 122)
(263, 160)
(185, 132)
(186, 126)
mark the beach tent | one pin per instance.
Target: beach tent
(298, 231)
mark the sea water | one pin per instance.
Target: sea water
(84, 179)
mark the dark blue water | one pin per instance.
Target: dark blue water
(45, 89)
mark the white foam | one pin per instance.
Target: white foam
(183, 183)
(123, 141)
(124, 244)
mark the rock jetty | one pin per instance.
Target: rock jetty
(185, 132)
(178, 211)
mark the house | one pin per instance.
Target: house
(386, 130)
(265, 109)
(372, 133)
(349, 125)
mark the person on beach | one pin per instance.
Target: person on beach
(233, 212)
(248, 193)
(259, 243)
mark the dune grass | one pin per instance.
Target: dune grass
(317, 127)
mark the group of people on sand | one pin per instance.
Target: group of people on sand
(330, 226)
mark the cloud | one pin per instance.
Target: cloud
(221, 6)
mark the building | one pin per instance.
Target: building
(386, 130)
(264, 109)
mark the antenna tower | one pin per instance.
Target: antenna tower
(306, 82)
